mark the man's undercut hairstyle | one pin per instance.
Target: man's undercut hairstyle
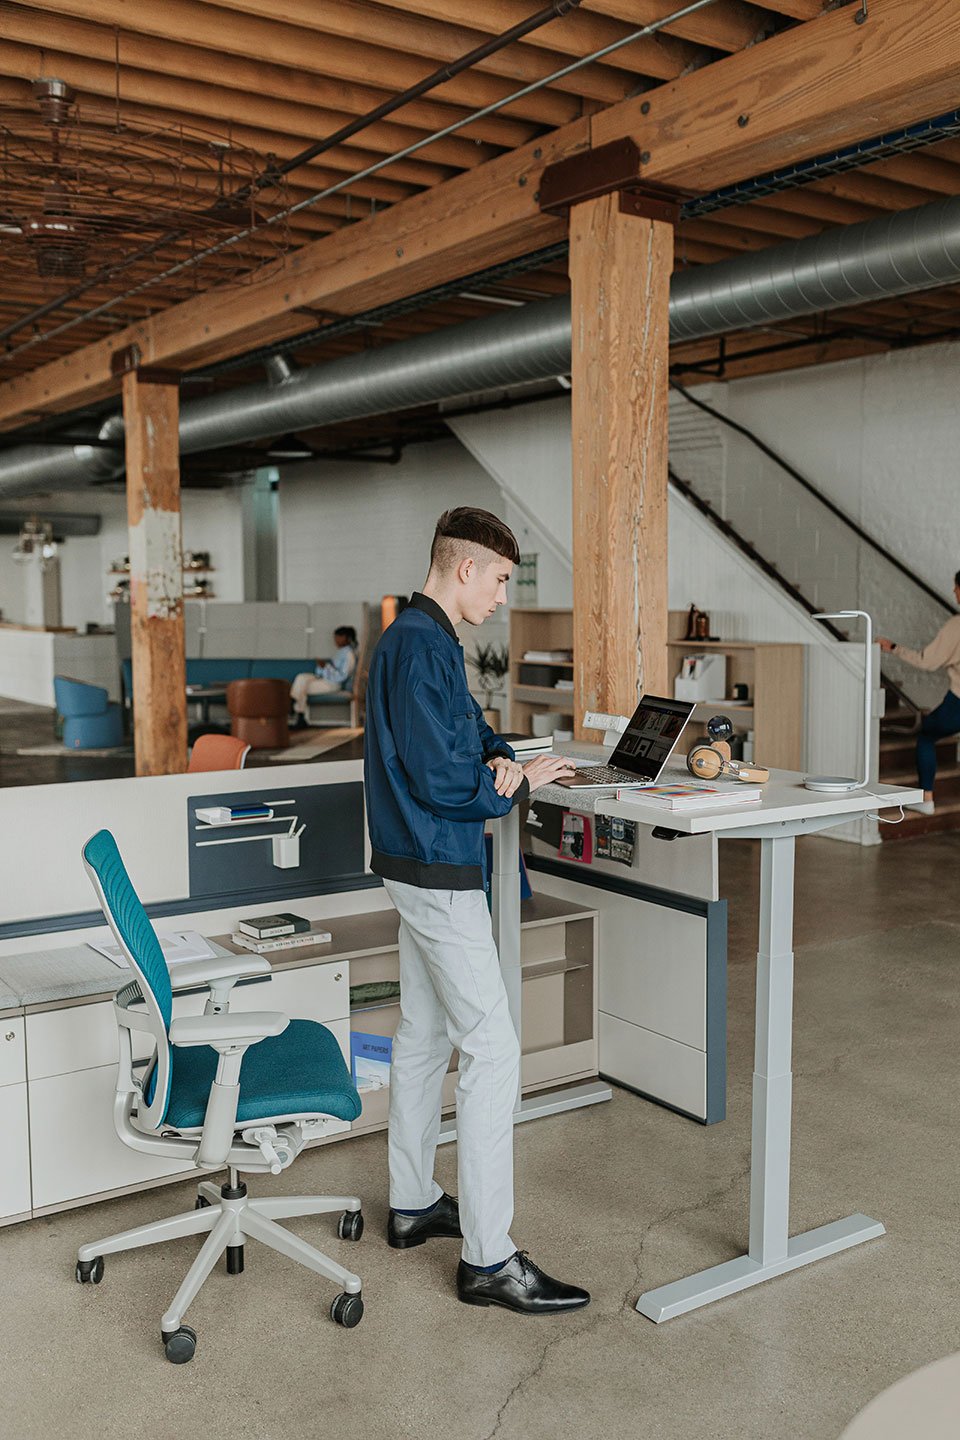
(460, 530)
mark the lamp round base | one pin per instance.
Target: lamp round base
(831, 784)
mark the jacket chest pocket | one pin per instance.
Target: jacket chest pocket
(466, 734)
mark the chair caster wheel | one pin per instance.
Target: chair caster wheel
(201, 1203)
(350, 1225)
(347, 1310)
(180, 1346)
(90, 1272)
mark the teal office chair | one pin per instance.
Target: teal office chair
(241, 1090)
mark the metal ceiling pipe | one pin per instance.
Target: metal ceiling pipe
(32, 469)
(895, 255)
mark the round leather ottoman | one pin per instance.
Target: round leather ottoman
(258, 712)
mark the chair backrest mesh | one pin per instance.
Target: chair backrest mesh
(131, 920)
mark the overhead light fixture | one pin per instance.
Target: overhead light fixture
(491, 299)
(288, 447)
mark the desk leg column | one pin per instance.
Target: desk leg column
(772, 1252)
(505, 910)
(772, 1079)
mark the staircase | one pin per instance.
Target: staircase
(818, 555)
(898, 741)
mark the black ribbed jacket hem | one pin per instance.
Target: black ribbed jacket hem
(426, 877)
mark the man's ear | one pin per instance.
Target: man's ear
(465, 568)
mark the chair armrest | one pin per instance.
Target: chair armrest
(217, 967)
(231, 1029)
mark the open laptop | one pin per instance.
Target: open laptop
(642, 750)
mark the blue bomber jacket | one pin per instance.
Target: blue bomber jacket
(428, 788)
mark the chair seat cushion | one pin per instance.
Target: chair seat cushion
(301, 1072)
(331, 697)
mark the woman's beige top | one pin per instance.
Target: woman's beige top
(943, 653)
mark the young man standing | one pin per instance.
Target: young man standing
(434, 772)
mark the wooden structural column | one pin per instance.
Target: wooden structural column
(620, 265)
(151, 410)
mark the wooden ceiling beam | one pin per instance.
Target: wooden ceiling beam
(348, 23)
(803, 91)
(577, 34)
(776, 225)
(925, 171)
(806, 90)
(728, 27)
(265, 32)
(869, 189)
(216, 102)
(234, 70)
(829, 208)
(795, 9)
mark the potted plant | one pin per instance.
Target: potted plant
(491, 662)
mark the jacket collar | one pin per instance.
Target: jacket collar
(435, 611)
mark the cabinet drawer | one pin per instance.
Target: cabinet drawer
(79, 1037)
(75, 1150)
(15, 1170)
(13, 1065)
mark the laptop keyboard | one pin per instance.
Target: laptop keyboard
(605, 775)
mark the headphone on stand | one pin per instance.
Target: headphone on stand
(708, 762)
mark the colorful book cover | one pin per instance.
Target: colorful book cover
(370, 1057)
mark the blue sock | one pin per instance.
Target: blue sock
(417, 1212)
(487, 1269)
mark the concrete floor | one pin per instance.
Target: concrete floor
(621, 1197)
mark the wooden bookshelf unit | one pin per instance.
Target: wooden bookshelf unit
(773, 675)
(537, 628)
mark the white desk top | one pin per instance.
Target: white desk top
(784, 802)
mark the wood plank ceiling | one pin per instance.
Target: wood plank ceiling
(278, 75)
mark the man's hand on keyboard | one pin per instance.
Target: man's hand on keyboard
(545, 769)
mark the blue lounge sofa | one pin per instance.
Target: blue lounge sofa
(220, 672)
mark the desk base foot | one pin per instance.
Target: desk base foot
(551, 1102)
(682, 1295)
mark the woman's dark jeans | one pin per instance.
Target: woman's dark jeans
(940, 723)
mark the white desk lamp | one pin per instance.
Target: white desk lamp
(835, 784)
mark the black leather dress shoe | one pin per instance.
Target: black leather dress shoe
(519, 1285)
(405, 1231)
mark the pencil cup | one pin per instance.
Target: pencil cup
(286, 851)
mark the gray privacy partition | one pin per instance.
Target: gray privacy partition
(662, 957)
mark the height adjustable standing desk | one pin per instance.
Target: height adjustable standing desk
(505, 908)
(786, 810)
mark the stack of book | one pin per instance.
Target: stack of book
(549, 657)
(266, 933)
(691, 795)
(526, 746)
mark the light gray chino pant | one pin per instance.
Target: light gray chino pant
(452, 996)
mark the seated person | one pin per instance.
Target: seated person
(328, 676)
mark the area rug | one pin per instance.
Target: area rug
(314, 742)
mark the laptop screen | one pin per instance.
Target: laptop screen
(653, 731)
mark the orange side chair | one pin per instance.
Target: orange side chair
(218, 752)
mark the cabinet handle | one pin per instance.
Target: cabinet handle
(339, 975)
(12, 1034)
